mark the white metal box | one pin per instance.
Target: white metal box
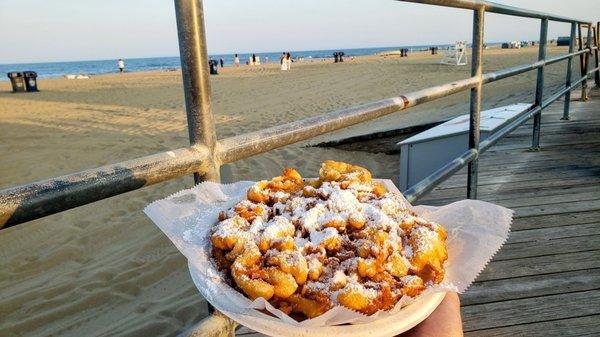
(428, 151)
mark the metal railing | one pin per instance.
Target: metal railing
(206, 153)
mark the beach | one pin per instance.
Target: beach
(104, 268)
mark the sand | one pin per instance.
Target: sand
(105, 269)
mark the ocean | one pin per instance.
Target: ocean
(58, 69)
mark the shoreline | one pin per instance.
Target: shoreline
(177, 67)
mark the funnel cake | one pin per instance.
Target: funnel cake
(307, 245)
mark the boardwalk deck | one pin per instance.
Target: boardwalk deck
(546, 280)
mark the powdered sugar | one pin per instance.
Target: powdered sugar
(344, 234)
(317, 237)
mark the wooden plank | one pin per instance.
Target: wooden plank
(530, 310)
(459, 192)
(542, 163)
(506, 165)
(497, 150)
(548, 247)
(506, 185)
(557, 133)
(551, 233)
(578, 326)
(591, 171)
(589, 203)
(552, 129)
(554, 220)
(549, 143)
(584, 120)
(540, 265)
(531, 286)
(574, 163)
(577, 206)
(534, 196)
(524, 156)
(546, 200)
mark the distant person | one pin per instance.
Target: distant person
(283, 62)
(121, 65)
(266, 59)
(222, 62)
(236, 60)
(253, 62)
(212, 66)
(288, 59)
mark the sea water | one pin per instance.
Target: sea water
(58, 69)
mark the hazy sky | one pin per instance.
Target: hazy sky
(62, 30)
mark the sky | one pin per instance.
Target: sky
(72, 30)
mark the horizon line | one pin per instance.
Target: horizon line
(241, 53)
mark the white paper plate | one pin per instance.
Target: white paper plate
(404, 320)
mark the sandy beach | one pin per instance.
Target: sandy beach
(105, 269)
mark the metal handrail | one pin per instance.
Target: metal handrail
(207, 154)
(492, 7)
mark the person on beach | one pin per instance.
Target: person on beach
(236, 60)
(283, 62)
(253, 62)
(288, 60)
(222, 62)
(121, 65)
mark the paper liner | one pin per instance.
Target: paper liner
(476, 231)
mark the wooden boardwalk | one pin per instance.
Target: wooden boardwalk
(546, 280)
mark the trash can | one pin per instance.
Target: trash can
(17, 81)
(30, 81)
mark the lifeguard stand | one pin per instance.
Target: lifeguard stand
(456, 56)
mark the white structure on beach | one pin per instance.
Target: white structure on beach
(456, 56)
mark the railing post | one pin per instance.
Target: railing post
(586, 64)
(539, 89)
(475, 105)
(580, 43)
(569, 73)
(597, 43)
(196, 82)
